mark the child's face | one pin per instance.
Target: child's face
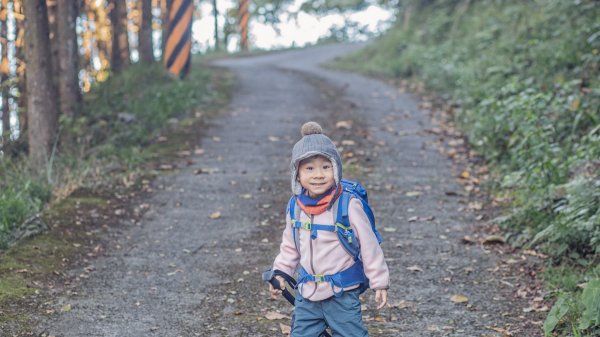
(316, 175)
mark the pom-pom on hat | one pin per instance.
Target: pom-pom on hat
(313, 143)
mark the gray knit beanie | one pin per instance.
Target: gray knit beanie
(313, 143)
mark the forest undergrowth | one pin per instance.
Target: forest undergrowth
(522, 79)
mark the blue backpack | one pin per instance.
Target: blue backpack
(355, 274)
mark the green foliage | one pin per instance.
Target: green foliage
(102, 141)
(591, 302)
(147, 93)
(524, 80)
(524, 77)
(22, 194)
(576, 316)
(558, 311)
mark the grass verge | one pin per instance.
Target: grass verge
(134, 126)
(521, 80)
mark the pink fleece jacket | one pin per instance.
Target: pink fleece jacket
(326, 255)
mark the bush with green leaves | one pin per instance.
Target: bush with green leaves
(99, 140)
(22, 194)
(524, 78)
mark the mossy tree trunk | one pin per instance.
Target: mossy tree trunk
(4, 73)
(120, 44)
(145, 37)
(41, 99)
(68, 53)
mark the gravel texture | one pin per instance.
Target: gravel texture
(180, 272)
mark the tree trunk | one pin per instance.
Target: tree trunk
(54, 44)
(244, 17)
(4, 72)
(216, 18)
(407, 14)
(120, 43)
(164, 14)
(20, 60)
(41, 100)
(68, 53)
(145, 37)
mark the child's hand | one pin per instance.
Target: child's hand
(275, 292)
(381, 297)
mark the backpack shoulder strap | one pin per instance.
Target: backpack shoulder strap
(344, 230)
(294, 213)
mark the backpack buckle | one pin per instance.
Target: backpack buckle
(319, 278)
(346, 230)
(306, 225)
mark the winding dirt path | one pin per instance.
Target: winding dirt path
(182, 273)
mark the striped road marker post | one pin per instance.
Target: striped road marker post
(243, 17)
(177, 53)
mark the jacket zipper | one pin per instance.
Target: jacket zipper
(310, 242)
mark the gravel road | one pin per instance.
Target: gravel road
(182, 273)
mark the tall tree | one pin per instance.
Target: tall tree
(165, 5)
(216, 19)
(120, 44)
(42, 107)
(145, 37)
(68, 53)
(4, 69)
(20, 60)
(54, 44)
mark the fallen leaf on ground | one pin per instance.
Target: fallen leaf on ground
(504, 331)
(273, 138)
(66, 308)
(348, 142)
(403, 304)
(413, 193)
(491, 239)
(246, 196)
(415, 268)
(475, 206)
(272, 315)
(468, 240)
(215, 215)
(285, 329)
(459, 299)
(389, 229)
(413, 218)
(433, 328)
(344, 125)
(199, 151)
(166, 167)
(379, 319)
(465, 174)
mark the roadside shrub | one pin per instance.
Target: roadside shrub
(524, 78)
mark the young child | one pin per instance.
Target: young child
(316, 174)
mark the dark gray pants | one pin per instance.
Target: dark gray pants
(342, 314)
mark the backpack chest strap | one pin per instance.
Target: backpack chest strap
(313, 228)
(354, 275)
